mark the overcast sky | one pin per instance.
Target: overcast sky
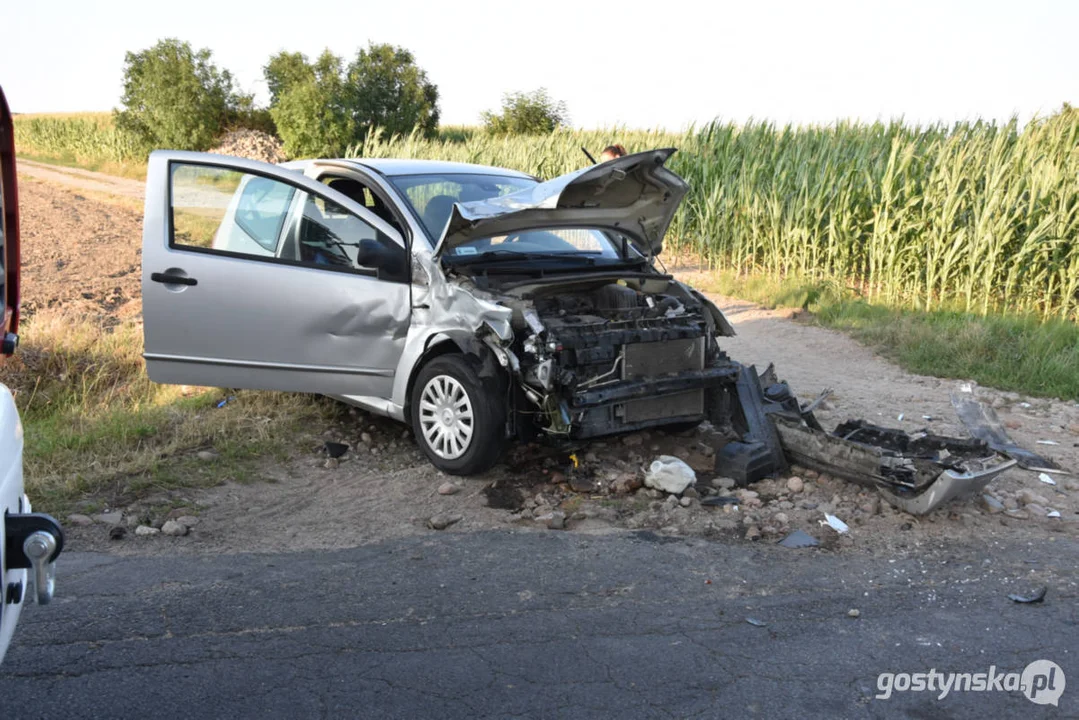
(667, 63)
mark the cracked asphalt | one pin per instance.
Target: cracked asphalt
(503, 624)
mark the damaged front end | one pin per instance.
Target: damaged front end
(601, 343)
(605, 356)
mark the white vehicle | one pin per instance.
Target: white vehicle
(29, 542)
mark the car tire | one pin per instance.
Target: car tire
(458, 421)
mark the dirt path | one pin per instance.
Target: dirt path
(81, 180)
(383, 488)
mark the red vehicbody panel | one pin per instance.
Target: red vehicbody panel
(10, 225)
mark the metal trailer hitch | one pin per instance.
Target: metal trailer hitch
(34, 541)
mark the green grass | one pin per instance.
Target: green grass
(1011, 352)
(97, 427)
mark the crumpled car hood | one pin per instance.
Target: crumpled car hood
(635, 195)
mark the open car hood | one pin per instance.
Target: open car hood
(635, 195)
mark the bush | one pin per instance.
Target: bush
(322, 108)
(175, 97)
(534, 113)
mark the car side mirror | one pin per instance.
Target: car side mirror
(387, 258)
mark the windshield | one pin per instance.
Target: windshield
(546, 242)
(432, 196)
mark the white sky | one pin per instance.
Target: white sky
(663, 63)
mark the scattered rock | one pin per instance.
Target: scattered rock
(207, 455)
(581, 484)
(753, 533)
(781, 518)
(808, 505)
(557, 478)
(1029, 497)
(854, 612)
(871, 506)
(442, 521)
(1010, 503)
(795, 484)
(990, 504)
(1036, 511)
(557, 521)
(365, 438)
(80, 520)
(685, 501)
(633, 440)
(331, 463)
(723, 483)
(174, 528)
(146, 530)
(118, 532)
(188, 520)
(448, 488)
(625, 484)
(1017, 514)
(113, 517)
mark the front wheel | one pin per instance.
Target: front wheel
(457, 422)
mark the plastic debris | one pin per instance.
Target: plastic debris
(336, 449)
(1053, 514)
(900, 418)
(1025, 405)
(799, 539)
(1046, 479)
(226, 401)
(669, 474)
(927, 417)
(576, 463)
(1048, 442)
(1036, 597)
(720, 500)
(835, 523)
(756, 622)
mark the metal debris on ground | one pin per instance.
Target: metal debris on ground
(799, 539)
(1035, 597)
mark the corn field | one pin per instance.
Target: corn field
(88, 137)
(977, 216)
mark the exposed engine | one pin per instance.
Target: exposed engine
(616, 357)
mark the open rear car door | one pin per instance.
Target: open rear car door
(29, 542)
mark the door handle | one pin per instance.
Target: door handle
(170, 279)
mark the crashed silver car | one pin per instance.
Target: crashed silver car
(477, 304)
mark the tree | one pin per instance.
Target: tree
(310, 109)
(175, 97)
(389, 91)
(321, 108)
(534, 113)
(282, 70)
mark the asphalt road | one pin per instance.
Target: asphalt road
(546, 625)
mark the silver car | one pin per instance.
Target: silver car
(476, 304)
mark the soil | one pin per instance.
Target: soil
(83, 253)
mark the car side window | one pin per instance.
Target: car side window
(216, 209)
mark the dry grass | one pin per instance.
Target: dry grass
(96, 426)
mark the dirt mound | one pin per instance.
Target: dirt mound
(251, 144)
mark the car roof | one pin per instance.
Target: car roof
(395, 166)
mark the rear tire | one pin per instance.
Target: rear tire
(458, 420)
